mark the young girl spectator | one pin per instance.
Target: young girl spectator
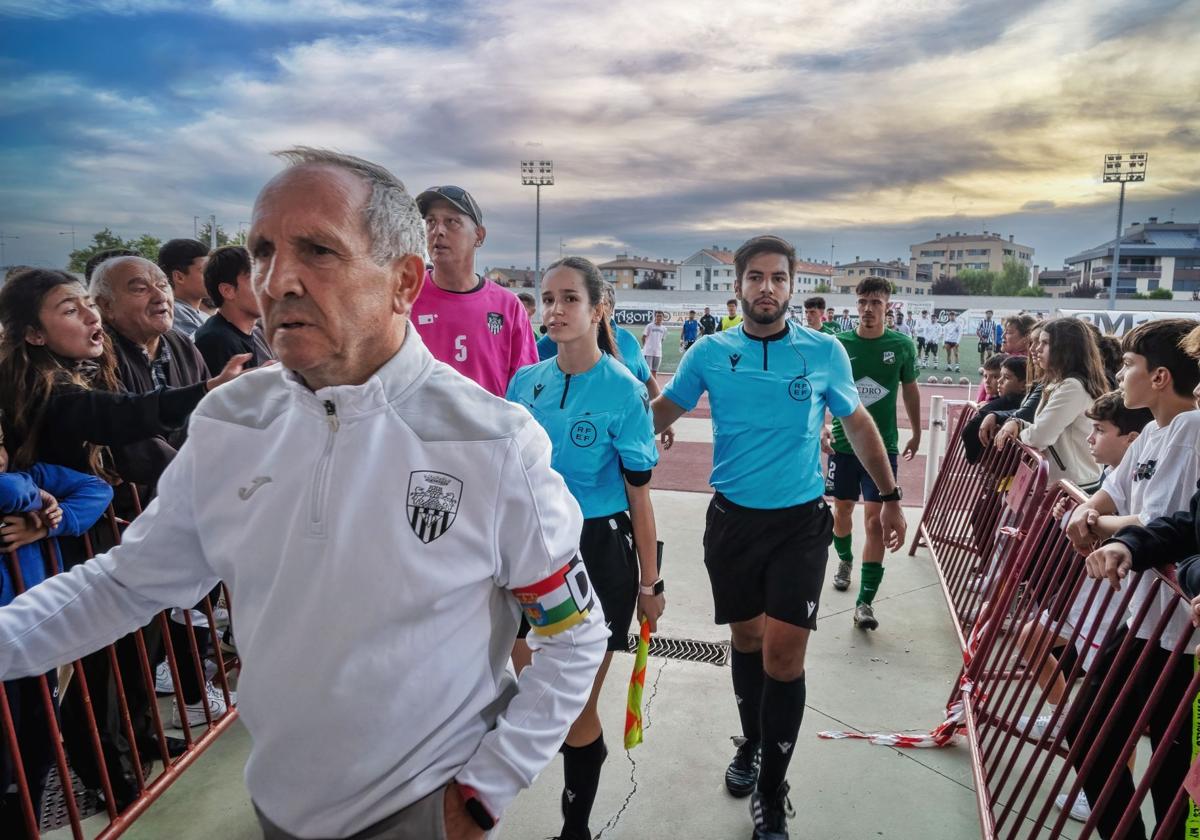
(43, 502)
(1073, 376)
(58, 386)
(602, 436)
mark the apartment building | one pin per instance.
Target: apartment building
(847, 276)
(629, 272)
(946, 255)
(1154, 255)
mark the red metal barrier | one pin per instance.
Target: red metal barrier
(1058, 689)
(130, 664)
(971, 515)
(1046, 619)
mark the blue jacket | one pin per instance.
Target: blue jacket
(83, 499)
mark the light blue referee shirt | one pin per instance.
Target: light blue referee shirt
(597, 420)
(768, 399)
(627, 343)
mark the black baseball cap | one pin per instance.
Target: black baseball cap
(457, 196)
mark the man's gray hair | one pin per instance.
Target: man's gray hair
(394, 224)
(100, 285)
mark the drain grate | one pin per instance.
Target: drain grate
(54, 801)
(688, 650)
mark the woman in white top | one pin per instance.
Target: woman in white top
(1073, 376)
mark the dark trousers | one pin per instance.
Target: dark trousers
(36, 747)
(1170, 777)
(102, 687)
(189, 675)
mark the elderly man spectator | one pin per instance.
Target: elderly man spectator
(182, 261)
(135, 302)
(233, 329)
(472, 324)
(305, 530)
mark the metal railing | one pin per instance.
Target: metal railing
(112, 728)
(1062, 675)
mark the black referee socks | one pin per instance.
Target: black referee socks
(581, 780)
(782, 711)
(747, 671)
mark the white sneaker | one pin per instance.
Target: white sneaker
(195, 711)
(163, 684)
(1081, 809)
(1039, 727)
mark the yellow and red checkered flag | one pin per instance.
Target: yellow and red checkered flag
(637, 683)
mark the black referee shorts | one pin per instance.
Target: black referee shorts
(606, 547)
(767, 561)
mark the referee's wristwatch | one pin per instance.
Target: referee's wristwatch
(656, 588)
(895, 496)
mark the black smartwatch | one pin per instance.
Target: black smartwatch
(895, 496)
(475, 807)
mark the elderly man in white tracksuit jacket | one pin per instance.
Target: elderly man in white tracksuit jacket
(380, 521)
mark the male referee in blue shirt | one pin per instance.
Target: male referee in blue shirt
(768, 528)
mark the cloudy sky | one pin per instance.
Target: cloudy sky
(853, 127)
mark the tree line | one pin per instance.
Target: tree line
(145, 245)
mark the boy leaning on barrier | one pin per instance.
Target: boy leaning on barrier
(1010, 393)
(1174, 537)
(1154, 479)
(1115, 427)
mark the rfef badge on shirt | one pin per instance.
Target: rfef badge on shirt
(559, 602)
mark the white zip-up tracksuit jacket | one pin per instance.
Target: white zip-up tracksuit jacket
(371, 537)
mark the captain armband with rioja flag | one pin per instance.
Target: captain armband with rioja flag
(559, 602)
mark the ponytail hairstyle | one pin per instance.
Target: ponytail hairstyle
(1074, 354)
(599, 292)
(29, 373)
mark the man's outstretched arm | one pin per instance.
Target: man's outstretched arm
(159, 564)
(537, 528)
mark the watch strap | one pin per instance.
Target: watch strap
(475, 807)
(656, 588)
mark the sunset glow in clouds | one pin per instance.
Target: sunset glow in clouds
(673, 125)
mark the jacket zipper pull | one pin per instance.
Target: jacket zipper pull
(331, 415)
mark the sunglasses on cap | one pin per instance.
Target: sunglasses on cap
(459, 198)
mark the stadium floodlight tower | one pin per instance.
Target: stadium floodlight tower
(1121, 169)
(538, 174)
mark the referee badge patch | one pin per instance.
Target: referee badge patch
(432, 503)
(559, 602)
(799, 389)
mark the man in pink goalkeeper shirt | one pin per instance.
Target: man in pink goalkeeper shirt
(477, 327)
